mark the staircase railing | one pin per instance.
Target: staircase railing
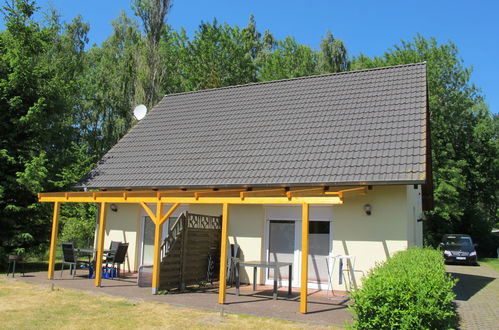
(173, 233)
(175, 259)
(188, 220)
(201, 221)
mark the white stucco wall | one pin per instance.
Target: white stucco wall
(124, 226)
(246, 229)
(391, 227)
(371, 238)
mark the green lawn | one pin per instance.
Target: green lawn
(492, 262)
(29, 306)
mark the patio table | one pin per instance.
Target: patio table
(86, 250)
(266, 265)
(90, 251)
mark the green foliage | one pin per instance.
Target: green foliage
(409, 291)
(333, 55)
(40, 70)
(219, 55)
(108, 91)
(62, 107)
(78, 224)
(151, 72)
(287, 59)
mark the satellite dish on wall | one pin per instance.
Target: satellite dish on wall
(140, 111)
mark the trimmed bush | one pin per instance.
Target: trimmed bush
(411, 290)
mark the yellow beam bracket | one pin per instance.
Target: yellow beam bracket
(169, 213)
(148, 211)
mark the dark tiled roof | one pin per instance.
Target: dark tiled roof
(355, 127)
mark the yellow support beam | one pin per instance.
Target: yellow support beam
(71, 198)
(100, 244)
(304, 259)
(157, 245)
(53, 240)
(223, 254)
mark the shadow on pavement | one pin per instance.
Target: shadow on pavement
(468, 285)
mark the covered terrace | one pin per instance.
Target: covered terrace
(304, 196)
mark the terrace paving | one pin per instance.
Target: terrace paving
(260, 303)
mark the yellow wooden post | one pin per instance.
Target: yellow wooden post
(53, 240)
(157, 245)
(100, 243)
(304, 259)
(223, 254)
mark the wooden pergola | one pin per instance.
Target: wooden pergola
(277, 196)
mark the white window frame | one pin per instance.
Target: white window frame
(293, 213)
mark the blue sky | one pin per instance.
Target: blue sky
(370, 27)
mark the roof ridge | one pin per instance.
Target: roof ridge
(297, 78)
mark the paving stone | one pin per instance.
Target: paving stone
(477, 296)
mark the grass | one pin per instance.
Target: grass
(492, 262)
(30, 306)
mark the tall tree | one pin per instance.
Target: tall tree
(40, 66)
(109, 87)
(287, 59)
(153, 14)
(221, 55)
(333, 55)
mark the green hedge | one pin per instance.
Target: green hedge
(409, 291)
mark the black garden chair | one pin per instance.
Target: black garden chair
(118, 257)
(112, 249)
(70, 257)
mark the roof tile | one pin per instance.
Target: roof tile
(341, 128)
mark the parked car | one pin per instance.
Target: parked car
(459, 248)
